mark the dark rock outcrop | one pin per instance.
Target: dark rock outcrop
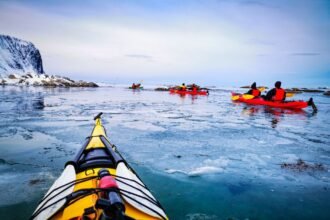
(301, 90)
(162, 89)
(248, 87)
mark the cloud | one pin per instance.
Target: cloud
(208, 40)
(255, 3)
(252, 2)
(262, 55)
(139, 56)
(261, 42)
(305, 54)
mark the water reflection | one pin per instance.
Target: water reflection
(274, 115)
(186, 96)
(20, 101)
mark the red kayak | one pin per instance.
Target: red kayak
(286, 104)
(189, 92)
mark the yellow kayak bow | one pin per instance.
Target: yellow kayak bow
(99, 184)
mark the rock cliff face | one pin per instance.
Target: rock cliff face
(21, 64)
(19, 57)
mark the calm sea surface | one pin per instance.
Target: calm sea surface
(202, 157)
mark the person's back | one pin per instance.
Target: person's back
(194, 87)
(254, 91)
(183, 87)
(276, 94)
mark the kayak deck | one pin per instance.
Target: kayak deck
(260, 101)
(78, 189)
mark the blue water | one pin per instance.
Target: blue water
(202, 157)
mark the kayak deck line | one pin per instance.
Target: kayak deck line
(99, 183)
(189, 92)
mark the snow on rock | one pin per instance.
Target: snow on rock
(21, 64)
(32, 79)
(18, 56)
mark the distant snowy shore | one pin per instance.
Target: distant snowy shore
(32, 79)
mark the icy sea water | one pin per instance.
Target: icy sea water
(202, 157)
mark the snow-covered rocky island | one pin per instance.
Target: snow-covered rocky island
(21, 64)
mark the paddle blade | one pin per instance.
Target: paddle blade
(289, 94)
(234, 97)
(261, 89)
(248, 96)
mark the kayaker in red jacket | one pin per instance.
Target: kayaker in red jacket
(276, 94)
(254, 91)
(135, 86)
(194, 87)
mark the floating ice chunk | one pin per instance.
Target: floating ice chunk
(205, 170)
(290, 158)
(221, 162)
(172, 171)
(208, 166)
(140, 125)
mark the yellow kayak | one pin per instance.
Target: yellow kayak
(98, 184)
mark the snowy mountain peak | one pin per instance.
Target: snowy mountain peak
(19, 57)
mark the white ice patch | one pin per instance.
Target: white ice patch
(144, 126)
(198, 171)
(282, 141)
(208, 167)
(290, 158)
(221, 162)
(172, 171)
(205, 170)
(254, 159)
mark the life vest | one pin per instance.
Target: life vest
(279, 95)
(255, 92)
(194, 89)
(183, 88)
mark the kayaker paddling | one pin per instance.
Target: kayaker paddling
(276, 94)
(254, 91)
(136, 86)
(183, 87)
(194, 87)
(188, 90)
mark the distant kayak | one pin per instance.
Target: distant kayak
(286, 104)
(136, 88)
(189, 92)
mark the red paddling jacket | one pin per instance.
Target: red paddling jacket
(276, 94)
(279, 95)
(254, 92)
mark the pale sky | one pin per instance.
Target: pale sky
(220, 42)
